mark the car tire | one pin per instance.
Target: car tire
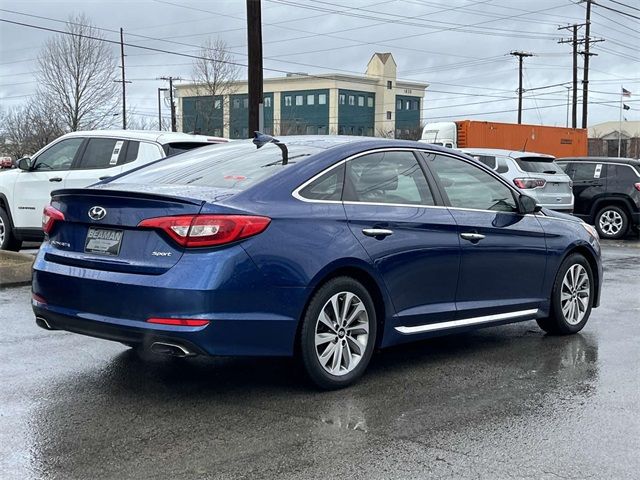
(571, 297)
(612, 222)
(7, 240)
(338, 333)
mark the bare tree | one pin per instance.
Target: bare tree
(28, 128)
(215, 75)
(76, 73)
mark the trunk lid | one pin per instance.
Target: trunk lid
(101, 232)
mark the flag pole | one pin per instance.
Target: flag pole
(620, 122)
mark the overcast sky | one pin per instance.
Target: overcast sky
(460, 47)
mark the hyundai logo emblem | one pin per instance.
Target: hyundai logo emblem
(97, 213)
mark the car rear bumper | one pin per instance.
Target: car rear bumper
(266, 336)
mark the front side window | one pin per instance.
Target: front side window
(102, 153)
(467, 186)
(387, 177)
(326, 187)
(59, 156)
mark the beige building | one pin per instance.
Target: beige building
(603, 139)
(376, 103)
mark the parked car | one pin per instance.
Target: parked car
(536, 174)
(607, 192)
(325, 247)
(76, 160)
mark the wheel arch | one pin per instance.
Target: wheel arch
(620, 202)
(4, 203)
(362, 272)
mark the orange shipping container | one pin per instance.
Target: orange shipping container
(556, 141)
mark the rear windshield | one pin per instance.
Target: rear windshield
(538, 165)
(181, 147)
(236, 165)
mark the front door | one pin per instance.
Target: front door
(32, 190)
(503, 252)
(413, 243)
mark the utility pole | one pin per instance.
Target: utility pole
(568, 103)
(585, 77)
(124, 82)
(255, 82)
(160, 108)
(173, 105)
(520, 56)
(574, 41)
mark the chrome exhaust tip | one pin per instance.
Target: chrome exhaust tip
(172, 349)
(42, 323)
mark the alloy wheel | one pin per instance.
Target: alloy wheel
(2, 231)
(341, 333)
(574, 294)
(610, 222)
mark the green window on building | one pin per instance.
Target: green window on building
(311, 99)
(267, 102)
(360, 101)
(287, 100)
(370, 102)
(322, 99)
(299, 100)
(341, 99)
(354, 118)
(306, 113)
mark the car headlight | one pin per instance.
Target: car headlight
(591, 229)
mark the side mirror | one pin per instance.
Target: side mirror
(529, 204)
(24, 163)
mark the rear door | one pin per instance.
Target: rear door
(589, 183)
(32, 189)
(503, 252)
(393, 212)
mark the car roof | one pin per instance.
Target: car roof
(626, 161)
(148, 135)
(334, 141)
(503, 152)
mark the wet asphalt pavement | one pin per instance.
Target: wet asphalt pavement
(504, 402)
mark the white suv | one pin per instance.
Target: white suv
(77, 160)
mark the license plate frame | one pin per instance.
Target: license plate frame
(103, 241)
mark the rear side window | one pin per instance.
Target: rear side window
(387, 177)
(538, 165)
(102, 153)
(181, 147)
(583, 171)
(143, 151)
(326, 187)
(488, 160)
(234, 165)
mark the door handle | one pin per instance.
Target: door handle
(472, 237)
(105, 177)
(377, 232)
(55, 179)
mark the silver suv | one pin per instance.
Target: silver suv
(536, 174)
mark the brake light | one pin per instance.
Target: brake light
(637, 185)
(50, 216)
(525, 183)
(181, 322)
(208, 230)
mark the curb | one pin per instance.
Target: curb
(15, 269)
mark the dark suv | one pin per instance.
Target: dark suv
(606, 191)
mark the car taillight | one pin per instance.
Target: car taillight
(637, 185)
(50, 216)
(180, 322)
(208, 230)
(529, 182)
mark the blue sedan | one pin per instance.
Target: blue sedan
(325, 248)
